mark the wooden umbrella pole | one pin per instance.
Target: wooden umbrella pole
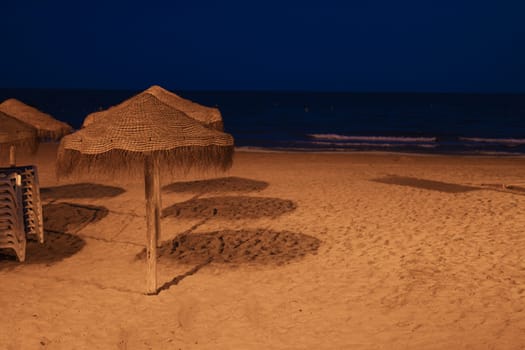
(158, 202)
(12, 156)
(152, 191)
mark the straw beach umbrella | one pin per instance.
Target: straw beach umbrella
(208, 116)
(147, 135)
(16, 135)
(48, 128)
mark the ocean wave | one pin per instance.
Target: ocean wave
(501, 141)
(372, 144)
(274, 149)
(337, 137)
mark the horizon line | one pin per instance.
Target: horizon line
(276, 90)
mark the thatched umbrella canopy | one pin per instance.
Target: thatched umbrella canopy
(146, 134)
(16, 134)
(117, 145)
(48, 128)
(209, 116)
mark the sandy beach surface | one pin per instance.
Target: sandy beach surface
(285, 251)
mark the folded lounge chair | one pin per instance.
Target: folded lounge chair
(20, 208)
(12, 233)
(32, 205)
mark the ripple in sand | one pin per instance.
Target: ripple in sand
(80, 190)
(219, 185)
(259, 246)
(234, 207)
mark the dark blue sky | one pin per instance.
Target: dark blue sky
(382, 45)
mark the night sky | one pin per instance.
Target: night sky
(372, 46)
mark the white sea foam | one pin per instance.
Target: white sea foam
(510, 142)
(405, 139)
(371, 144)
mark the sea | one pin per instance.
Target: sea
(484, 124)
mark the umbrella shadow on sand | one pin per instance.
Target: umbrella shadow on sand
(425, 184)
(80, 190)
(71, 217)
(230, 247)
(260, 246)
(218, 185)
(234, 248)
(57, 246)
(230, 207)
(61, 222)
(450, 187)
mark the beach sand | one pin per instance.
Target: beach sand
(285, 251)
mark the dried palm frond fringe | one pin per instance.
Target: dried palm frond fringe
(14, 132)
(52, 135)
(116, 165)
(48, 128)
(28, 145)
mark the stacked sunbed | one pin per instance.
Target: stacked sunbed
(12, 231)
(20, 208)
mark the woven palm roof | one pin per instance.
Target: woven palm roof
(209, 116)
(14, 132)
(144, 125)
(48, 128)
